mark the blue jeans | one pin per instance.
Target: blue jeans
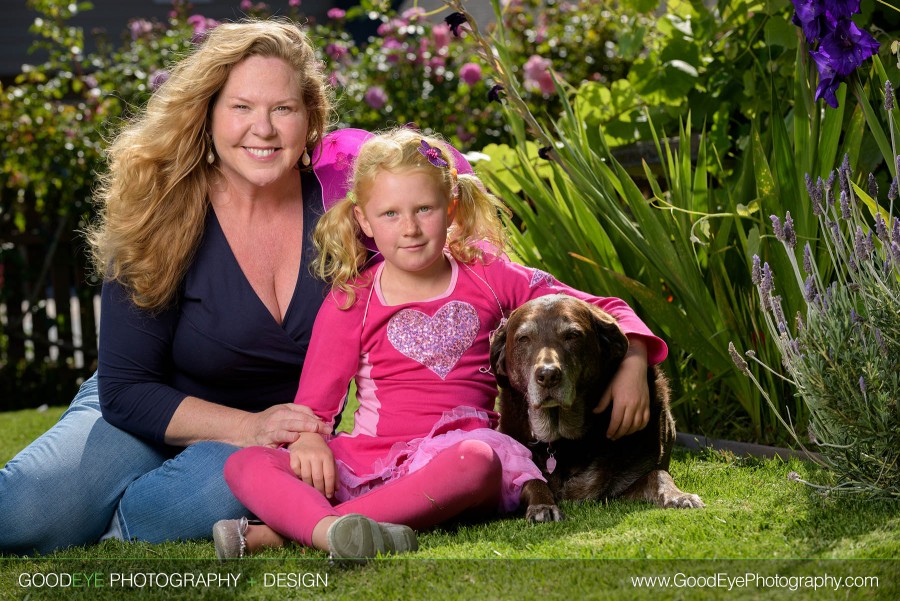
(84, 477)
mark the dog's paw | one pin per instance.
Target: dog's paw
(683, 500)
(544, 513)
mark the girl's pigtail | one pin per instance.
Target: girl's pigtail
(340, 254)
(478, 225)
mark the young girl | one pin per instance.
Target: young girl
(414, 332)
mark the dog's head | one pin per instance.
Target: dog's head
(560, 353)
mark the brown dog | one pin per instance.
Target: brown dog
(553, 360)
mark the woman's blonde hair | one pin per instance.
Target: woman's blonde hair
(152, 201)
(337, 237)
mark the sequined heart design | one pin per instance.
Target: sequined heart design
(436, 342)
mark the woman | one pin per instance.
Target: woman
(207, 302)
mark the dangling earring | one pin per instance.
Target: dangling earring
(304, 158)
(210, 155)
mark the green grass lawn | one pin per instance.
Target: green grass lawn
(756, 522)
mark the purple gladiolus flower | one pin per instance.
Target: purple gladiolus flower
(470, 73)
(810, 16)
(376, 97)
(846, 47)
(829, 81)
(841, 9)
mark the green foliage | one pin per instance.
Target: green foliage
(843, 354)
(412, 72)
(684, 257)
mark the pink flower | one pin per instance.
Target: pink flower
(537, 75)
(201, 25)
(335, 80)
(293, 3)
(376, 97)
(470, 73)
(336, 14)
(336, 51)
(246, 5)
(158, 78)
(139, 27)
(463, 135)
(441, 35)
(413, 14)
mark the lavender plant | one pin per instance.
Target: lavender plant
(843, 354)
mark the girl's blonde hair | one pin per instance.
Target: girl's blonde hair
(477, 225)
(153, 198)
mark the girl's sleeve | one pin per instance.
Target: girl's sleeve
(135, 359)
(332, 359)
(521, 284)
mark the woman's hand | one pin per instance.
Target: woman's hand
(313, 462)
(196, 420)
(280, 424)
(629, 393)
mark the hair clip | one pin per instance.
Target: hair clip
(433, 154)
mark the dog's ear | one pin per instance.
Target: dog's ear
(610, 336)
(498, 354)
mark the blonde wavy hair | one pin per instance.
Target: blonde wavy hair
(152, 201)
(477, 225)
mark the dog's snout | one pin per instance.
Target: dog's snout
(547, 368)
(548, 375)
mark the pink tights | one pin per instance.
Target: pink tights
(463, 479)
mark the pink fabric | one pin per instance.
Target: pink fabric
(462, 479)
(462, 423)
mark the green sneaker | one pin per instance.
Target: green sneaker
(354, 536)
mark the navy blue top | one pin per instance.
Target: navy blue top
(217, 341)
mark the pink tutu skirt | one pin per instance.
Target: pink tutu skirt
(462, 423)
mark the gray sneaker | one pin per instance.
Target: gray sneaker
(228, 536)
(354, 536)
